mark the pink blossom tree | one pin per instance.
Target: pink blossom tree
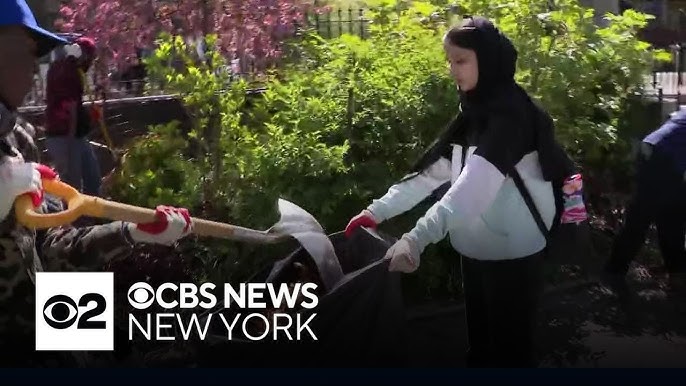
(246, 29)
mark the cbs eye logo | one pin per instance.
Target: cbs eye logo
(141, 295)
(61, 312)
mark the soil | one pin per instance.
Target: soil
(582, 323)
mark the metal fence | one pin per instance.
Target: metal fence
(336, 22)
(669, 84)
(115, 89)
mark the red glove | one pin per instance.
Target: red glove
(364, 219)
(172, 224)
(46, 173)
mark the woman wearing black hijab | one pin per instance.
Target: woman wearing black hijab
(498, 128)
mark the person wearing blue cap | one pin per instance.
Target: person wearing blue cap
(23, 41)
(23, 251)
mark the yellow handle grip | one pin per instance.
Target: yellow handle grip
(79, 204)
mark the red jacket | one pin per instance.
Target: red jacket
(64, 89)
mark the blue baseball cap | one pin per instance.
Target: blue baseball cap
(17, 12)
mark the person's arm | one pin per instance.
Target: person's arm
(500, 148)
(466, 200)
(69, 248)
(405, 195)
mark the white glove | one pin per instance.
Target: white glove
(172, 225)
(404, 255)
(17, 178)
(73, 50)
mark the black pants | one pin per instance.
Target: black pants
(660, 198)
(502, 300)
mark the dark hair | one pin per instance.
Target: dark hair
(464, 35)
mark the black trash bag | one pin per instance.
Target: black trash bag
(358, 322)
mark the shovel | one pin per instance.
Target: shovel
(293, 221)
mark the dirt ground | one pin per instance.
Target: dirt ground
(591, 324)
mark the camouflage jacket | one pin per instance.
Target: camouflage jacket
(24, 251)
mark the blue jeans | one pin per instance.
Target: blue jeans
(75, 162)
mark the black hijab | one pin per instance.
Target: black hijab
(496, 93)
(496, 57)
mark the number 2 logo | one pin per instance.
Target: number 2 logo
(61, 311)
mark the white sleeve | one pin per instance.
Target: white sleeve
(405, 195)
(466, 200)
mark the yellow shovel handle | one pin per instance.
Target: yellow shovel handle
(79, 204)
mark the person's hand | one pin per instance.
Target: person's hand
(17, 178)
(404, 256)
(172, 225)
(364, 219)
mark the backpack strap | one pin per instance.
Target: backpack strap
(530, 203)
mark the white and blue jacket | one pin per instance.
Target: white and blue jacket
(482, 212)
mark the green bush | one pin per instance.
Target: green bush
(382, 97)
(221, 169)
(156, 171)
(387, 97)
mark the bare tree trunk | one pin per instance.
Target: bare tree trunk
(213, 128)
